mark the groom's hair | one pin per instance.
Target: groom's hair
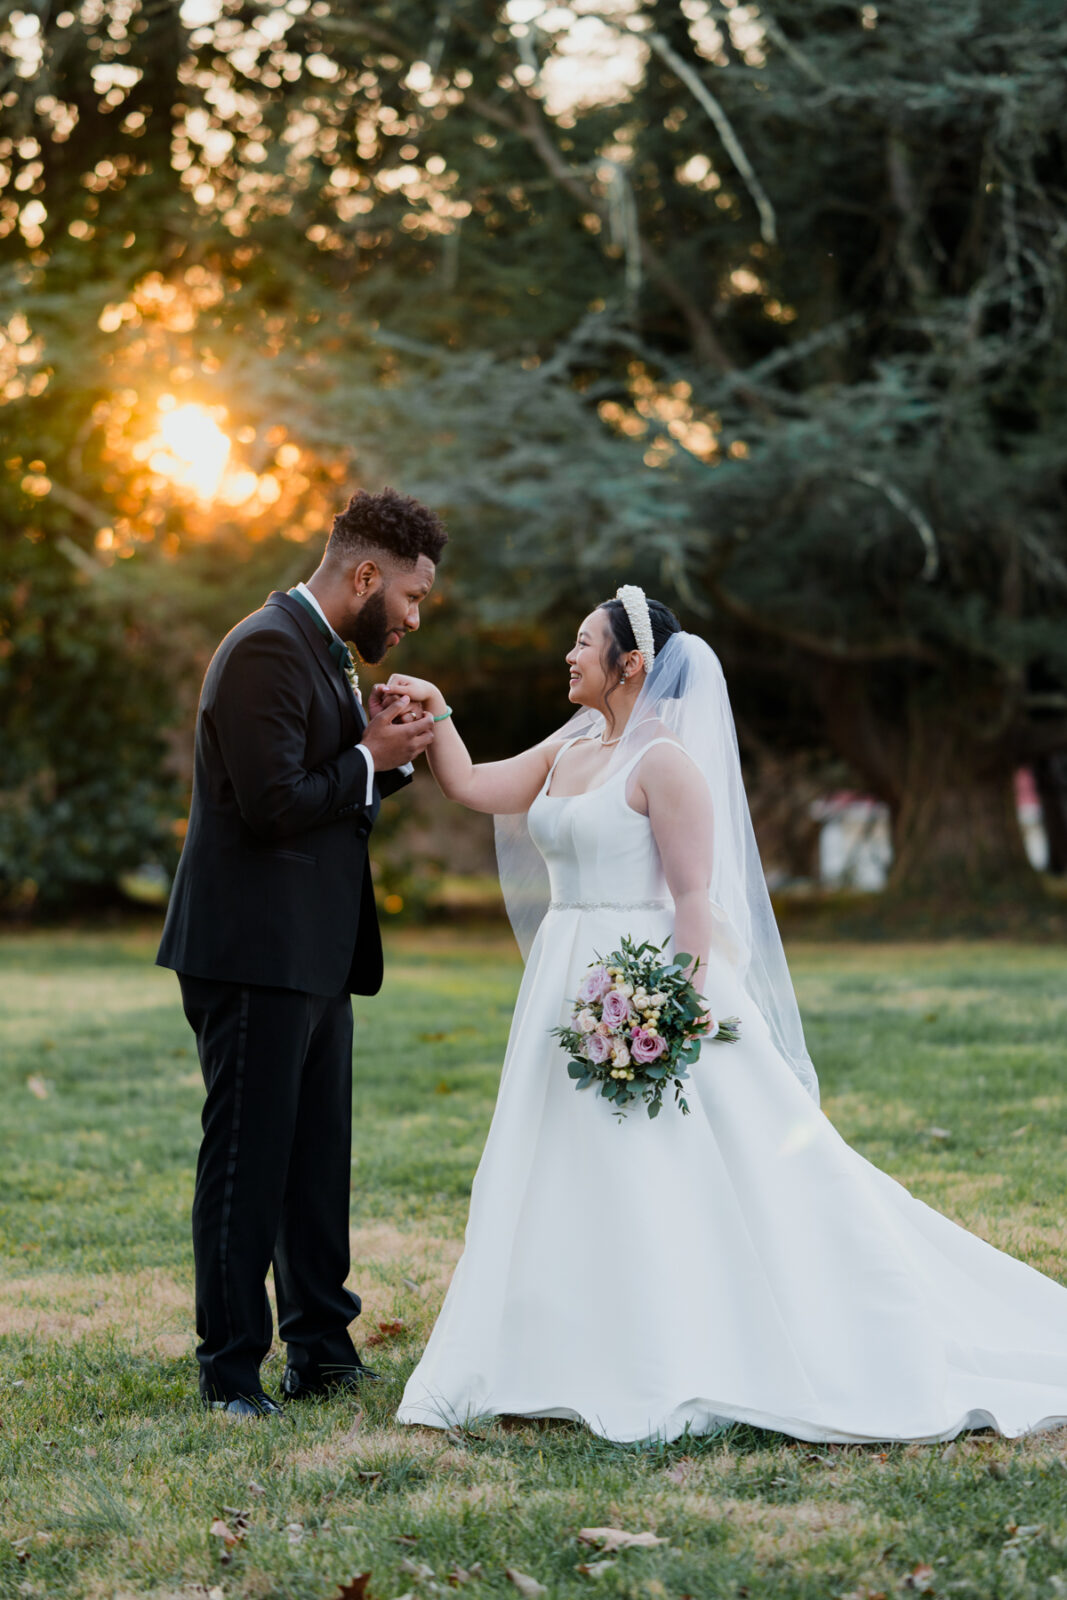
(387, 522)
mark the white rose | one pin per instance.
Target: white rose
(585, 1021)
(621, 1056)
(625, 988)
(641, 999)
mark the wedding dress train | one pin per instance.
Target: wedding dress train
(739, 1264)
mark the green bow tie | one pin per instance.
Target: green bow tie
(340, 654)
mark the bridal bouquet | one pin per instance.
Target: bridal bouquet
(634, 1025)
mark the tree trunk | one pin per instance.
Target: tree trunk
(1050, 776)
(951, 793)
(956, 830)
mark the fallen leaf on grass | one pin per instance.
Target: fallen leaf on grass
(417, 1569)
(37, 1087)
(595, 1569)
(920, 1578)
(681, 1469)
(369, 1477)
(939, 1133)
(386, 1330)
(460, 1575)
(294, 1532)
(527, 1586)
(618, 1539)
(222, 1530)
(409, 1283)
(356, 1589)
(256, 1488)
(1020, 1534)
(996, 1469)
(463, 1436)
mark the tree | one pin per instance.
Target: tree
(772, 320)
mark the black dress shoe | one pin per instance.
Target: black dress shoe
(246, 1405)
(340, 1381)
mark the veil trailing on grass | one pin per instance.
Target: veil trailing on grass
(684, 699)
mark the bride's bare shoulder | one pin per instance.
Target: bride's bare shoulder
(667, 761)
(662, 745)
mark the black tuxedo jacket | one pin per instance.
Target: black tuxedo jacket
(274, 884)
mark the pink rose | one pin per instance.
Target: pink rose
(645, 1047)
(596, 1048)
(594, 985)
(616, 1009)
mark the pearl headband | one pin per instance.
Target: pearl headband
(636, 608)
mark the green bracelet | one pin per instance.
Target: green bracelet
(445, 714)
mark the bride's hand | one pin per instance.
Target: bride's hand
(704, 1026)
(420, 691)
(385, 695)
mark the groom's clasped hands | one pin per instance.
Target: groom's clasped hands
(398, 729)
(411, 702)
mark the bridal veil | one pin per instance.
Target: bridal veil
(684, 698)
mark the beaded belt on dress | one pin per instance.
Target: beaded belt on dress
(609, 905)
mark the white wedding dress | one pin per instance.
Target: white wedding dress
(739, 1264)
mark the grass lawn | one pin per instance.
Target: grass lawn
(946, 1065)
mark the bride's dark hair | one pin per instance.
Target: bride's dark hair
(621, 637)
(622, 641)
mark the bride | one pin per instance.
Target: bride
(740, 1264)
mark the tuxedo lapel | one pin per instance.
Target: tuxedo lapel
(353, 720)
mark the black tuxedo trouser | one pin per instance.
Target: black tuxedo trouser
(272, 1180)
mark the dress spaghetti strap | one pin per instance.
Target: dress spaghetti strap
(578, 737)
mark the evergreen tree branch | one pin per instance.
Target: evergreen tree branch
(531, 125)
(908, 508)
(732, 144)
(899, 649)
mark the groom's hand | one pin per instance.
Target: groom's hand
(379, 698)
(391, 740)
(420, 691)
(382, 697)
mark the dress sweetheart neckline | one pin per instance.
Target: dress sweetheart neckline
(544, 790)
(582, 793)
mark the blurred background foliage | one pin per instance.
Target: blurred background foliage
(761, 306)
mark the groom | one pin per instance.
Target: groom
(272, 925)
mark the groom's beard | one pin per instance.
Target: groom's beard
(370, 629)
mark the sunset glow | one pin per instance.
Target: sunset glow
(192, 449)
